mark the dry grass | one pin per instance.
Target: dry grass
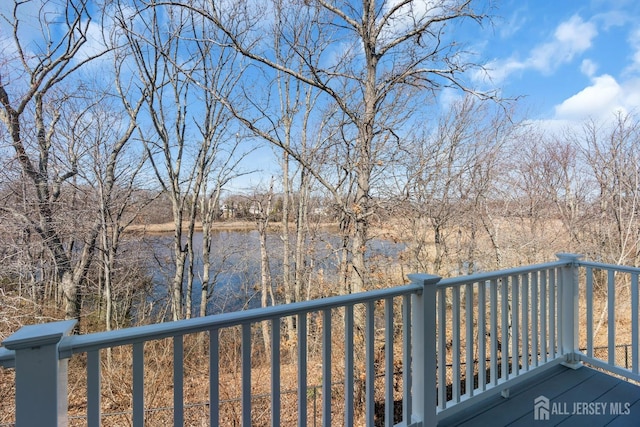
(117, 390)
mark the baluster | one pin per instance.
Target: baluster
(553, 288)
(246, 374)
(93, 388)
(302, 370)
(535, 313)
(589, 297)
(275, 372)
(369, 367)
(406, 360)
(525, 322)
(214, 377)
(634, 324)
(493, 336)
(611, 316)
(388, 361)
(326, 367)
(504, 333)
(515, 325)
(138, 384)
(455, 350)
(349, 366)
(543, 316)
(469, 344)
(482, 338)
(442, 348)
(178, 381)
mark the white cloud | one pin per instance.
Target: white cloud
(601, 98)
(410, 15)
(599, 101)
(575, 34)
(588, 67)
(513, 24)
(613, 18)
(570, 39)
(634, 44)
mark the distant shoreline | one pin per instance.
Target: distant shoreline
(168, 227)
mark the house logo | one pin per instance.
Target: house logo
(541, 408)
(544, 409)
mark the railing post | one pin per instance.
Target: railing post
(569, 309)
(41, 377)
(423, 360)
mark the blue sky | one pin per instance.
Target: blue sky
(569, 60)
(572, 59)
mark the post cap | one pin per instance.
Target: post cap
(568, 257)
(424, 279)
(38, 335)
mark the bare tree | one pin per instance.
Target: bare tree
(30, 101)
(190, 146)
(115, 181)
(612, 154)
(378, 49)
(167, 99)
(445, 181)
(261, 205)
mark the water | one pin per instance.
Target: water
(235, 265)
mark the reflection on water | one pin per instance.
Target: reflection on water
(235, 265)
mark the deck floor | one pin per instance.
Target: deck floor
(602, 399)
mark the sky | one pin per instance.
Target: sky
(571, 59)
(566, 60)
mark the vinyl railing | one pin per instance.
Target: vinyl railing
(40, 354)
(457, 341)
(617, 320)
(498, 329)
(495, 330)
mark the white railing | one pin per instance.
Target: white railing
(40, 355)
(464, 339)
(604, 327)
(497, 329)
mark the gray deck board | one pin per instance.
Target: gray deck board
(564, 387)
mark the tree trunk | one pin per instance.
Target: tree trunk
(287, 283)
(265, 271)
(180, 260)
(206, 267)
(301, 234)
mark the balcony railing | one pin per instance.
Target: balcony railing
(445, 344)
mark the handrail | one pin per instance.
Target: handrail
(99, 340)
(604, 266)
(415, 341)
(630, 276)
(490, 275)
(7, 358)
